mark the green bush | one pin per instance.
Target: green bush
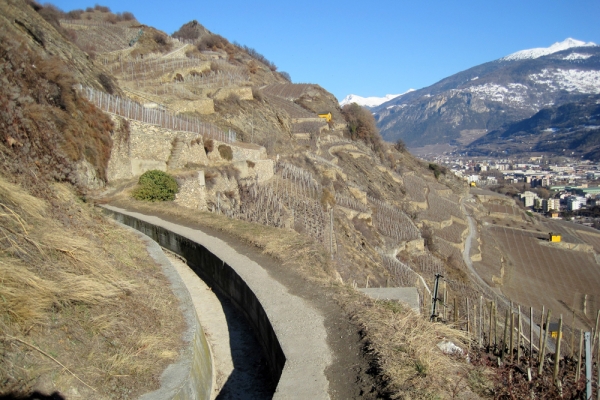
(437, 170)
(226, 152)
(156, 185)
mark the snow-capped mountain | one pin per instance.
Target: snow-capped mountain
(544, 51)
(463, 107)
(370, 101)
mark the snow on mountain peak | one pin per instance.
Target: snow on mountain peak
(370, 101)
(543, 51)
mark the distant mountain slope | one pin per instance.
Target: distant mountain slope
(370, 102)
(465, 106)
(572, 129)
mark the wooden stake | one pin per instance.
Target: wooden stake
(445, 301)
(578, 371)
(481, 327)
(543, 347)
(572, 350)
(598, 369)
(512, 335)
(455, 312)
(530, 334)
(467, 310)
(495, 325)
(490, 326)
(596, 329)
(519, 330)
(505, 334)
(541, 328)
(475, 323)
(557, 354)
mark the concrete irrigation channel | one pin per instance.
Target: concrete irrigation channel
(311, 349)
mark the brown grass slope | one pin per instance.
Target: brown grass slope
(84, 311)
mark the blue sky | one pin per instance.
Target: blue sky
(378, 47)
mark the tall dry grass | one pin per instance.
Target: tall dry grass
(404, 349)
(82, 306)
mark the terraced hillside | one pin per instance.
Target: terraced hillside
(328, 200)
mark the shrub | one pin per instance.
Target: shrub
(127, 16)
(437, 170)
(107, 83)
(400, 146)
(257, 94)
(327, 198)
(252, 67)
(209, 145)
(100, 8)
(226, 152)
(156, 185)
(189, 31)
(160, 39)
(361, 126)
(285, 76)
(75, 14)
(257, 56)
(212, 42)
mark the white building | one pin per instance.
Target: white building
(551, 204)
(575, 202)
(528, 198)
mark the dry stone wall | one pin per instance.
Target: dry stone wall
(192, 192)
(148, 147)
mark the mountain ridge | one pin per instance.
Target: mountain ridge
(486, 96)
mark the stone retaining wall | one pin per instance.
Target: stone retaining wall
(148, 146)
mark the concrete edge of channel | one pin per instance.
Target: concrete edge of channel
(192, 376)
(291, 332)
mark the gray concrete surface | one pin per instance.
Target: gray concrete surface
(236, 352)
(191, 376)
(406, 295)
(280, 318)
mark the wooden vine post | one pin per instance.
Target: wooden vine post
(557, 354)
(490, 325)
(519, 332)
(512, 334)
(530, 334)
(505, 334)
(543, 348)
(578, 371)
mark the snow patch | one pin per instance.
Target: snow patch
(370, 101)
(544, 51)
(577, 56)
(475, 78)
(571, 80)
(513, 93)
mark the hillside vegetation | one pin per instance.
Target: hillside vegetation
(251, 157)
(84, 311)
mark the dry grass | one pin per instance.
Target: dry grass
(404, 346)
(81, 293)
